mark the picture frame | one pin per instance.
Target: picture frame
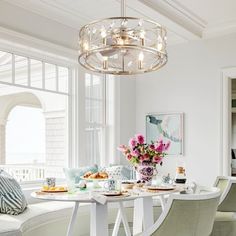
(168, 126)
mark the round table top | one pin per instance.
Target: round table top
(89, 196)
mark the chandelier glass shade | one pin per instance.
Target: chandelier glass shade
(122, 46)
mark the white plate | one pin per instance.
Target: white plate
(112, 193)
(161, 188)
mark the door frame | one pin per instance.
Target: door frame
(227, 75)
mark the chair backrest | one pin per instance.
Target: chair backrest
(187, 215)
(227, 186)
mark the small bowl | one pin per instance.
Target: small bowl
(127, 185)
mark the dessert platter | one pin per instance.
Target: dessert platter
(99, 176)
(95, 177)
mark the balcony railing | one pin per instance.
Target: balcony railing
(30, 172)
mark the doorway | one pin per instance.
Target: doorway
(233, 127)
(228, 123)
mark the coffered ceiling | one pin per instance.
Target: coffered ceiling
(184, 19)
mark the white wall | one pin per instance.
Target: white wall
(127, 111)
(190, 83)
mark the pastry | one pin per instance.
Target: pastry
(87, 174)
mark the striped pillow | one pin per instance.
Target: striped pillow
(12, 199)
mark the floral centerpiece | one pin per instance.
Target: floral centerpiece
(145, 157)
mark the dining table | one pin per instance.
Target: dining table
(143, 216)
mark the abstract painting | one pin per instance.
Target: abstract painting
(169, 127)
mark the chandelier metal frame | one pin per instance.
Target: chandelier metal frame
(97, 40)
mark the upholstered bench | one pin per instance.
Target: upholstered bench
(52, 218)
(35, 216)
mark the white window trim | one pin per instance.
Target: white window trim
(34, 48)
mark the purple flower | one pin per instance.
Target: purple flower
(140, 138)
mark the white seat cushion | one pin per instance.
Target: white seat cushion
(33, 216)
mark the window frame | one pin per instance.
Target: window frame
(103, 124)
(38, 49)
(20, 50)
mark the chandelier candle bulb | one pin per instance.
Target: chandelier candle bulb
(142, 41)
(105, 63)
(86, 46)
(140, 65)
(104, 41)
(140, 60)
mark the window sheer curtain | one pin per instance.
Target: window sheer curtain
(95, 116)
(101, 112)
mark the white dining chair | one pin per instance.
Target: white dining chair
(225, 219)
(187, 215)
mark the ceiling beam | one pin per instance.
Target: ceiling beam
(172, 15)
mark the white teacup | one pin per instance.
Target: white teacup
(110, 185)
(51, 181)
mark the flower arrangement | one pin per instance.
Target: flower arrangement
(139, 152)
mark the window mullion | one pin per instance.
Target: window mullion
(57, 79)
(43, 75)
(29, 73)
(13, 69)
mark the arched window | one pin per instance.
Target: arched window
(25, 136)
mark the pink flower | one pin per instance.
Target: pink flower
(122, 147)
(145, 157)
(160, 147)
(132, 142)
(152, 147)
(129, 157)
(167, 145)
(142, 158)
(140, 138)
(135, 153)
(157, 159)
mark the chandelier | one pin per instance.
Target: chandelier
(122, 45)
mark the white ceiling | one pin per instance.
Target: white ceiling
(184, 19)
(212, 11)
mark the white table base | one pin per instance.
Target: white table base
(98, 220)
(121, 217)
(72, 220)
(143, 214)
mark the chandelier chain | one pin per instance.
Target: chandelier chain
(123, 8)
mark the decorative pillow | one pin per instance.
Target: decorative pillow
(12, 199)
(74, 174)
(119, 172)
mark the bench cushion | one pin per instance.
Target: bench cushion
(33, 216)
(12, 199)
